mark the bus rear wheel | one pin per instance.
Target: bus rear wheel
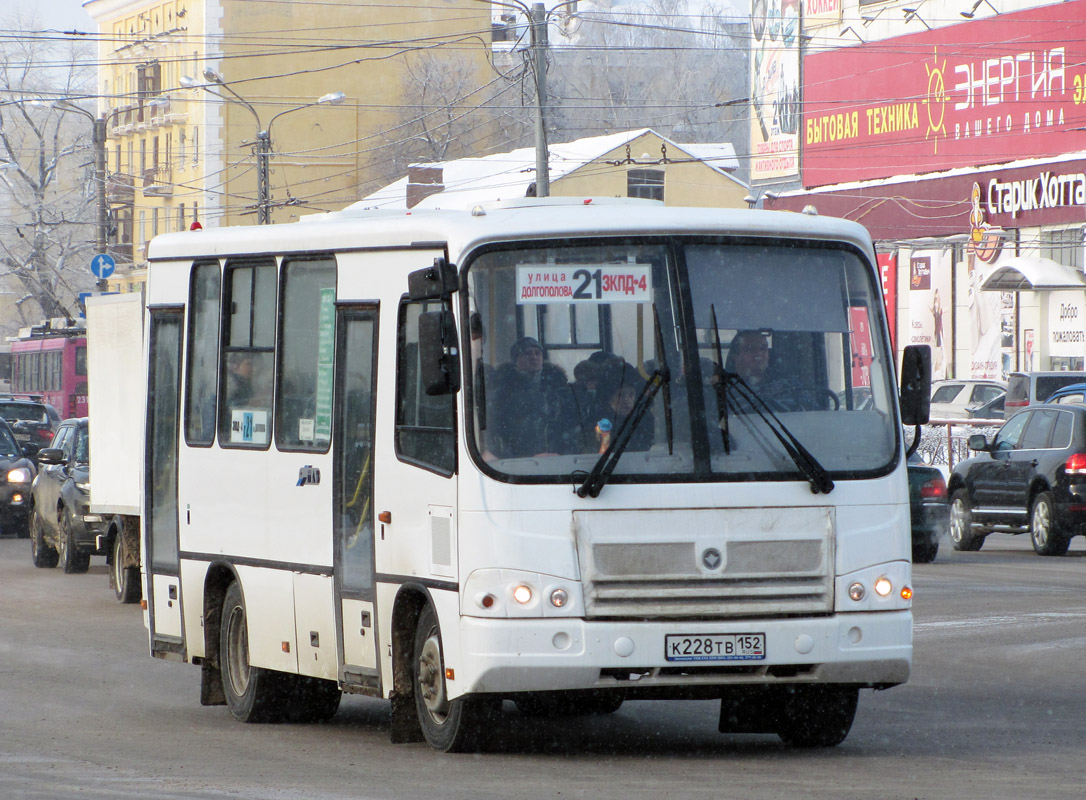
(252, 693)
(452, 726)
(817, 716)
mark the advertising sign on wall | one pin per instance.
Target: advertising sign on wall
(888, 274)
(989, 323)
(775, 89)
(821, 12)
(979, 92)
(1066, 324)
(929, 306)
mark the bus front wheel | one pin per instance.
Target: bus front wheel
(447, 725)
(251, 692)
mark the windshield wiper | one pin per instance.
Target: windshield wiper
(666, 370)
(608, 460)
(812, 470)
(723, 400)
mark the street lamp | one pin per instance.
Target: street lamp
(263, 134)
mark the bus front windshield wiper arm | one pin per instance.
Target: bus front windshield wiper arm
(608, 459)
(812, 470)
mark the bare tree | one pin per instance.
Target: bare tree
(46, 178)
(652, 66)
(455, 106)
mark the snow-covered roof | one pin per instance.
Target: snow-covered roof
(503, 176)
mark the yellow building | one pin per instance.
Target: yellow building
(199, 95)
(639, 163)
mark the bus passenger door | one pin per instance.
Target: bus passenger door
(356, 372)
(161, 549)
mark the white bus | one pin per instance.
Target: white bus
(559, 453)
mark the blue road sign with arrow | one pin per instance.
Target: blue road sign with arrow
(102, 265)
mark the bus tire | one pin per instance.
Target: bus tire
(73, 560)
(252, 693)
(43, 555)
(451, 726)
(817, 716)
(961, 523)
(126, 580)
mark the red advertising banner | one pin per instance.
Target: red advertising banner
(860, 335)
(888, 274)
(980, 92)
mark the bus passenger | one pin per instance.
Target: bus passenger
(620, 386)
(244, 389)
(531, 409)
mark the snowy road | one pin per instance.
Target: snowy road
(995, 709)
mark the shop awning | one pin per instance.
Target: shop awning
(1030, 274)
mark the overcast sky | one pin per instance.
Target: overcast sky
(62, 15)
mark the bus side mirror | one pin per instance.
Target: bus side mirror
(437, 282)
(915, 398)
(439, 354)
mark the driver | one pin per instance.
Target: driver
(750, 357)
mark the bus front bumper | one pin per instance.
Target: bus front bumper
(504, 656)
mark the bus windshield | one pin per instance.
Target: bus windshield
(742, 337)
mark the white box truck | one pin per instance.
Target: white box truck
(116, 399)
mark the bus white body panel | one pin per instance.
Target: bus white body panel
(328, 517)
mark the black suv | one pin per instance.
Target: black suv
(32, 421)
(1030, 477)
(61, 527)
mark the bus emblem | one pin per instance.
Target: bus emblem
(711, 558)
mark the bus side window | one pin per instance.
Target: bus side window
(203, 355)
(247, 358)
(425, 424)
(303, 406)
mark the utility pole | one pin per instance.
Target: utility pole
(539, 64)
(263, 193)
(102, 209)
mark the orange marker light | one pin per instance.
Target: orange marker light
(907, 593)
(450, 674)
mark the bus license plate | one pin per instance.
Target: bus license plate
(714, 647)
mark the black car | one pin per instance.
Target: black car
(61, 527)
(1030, 477)
(32, 421)
(16, 474)
(928, 508)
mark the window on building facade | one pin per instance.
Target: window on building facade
(1063, 246)
(645, 183)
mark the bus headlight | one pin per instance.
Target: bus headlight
(515, 593)
(523, 594)
(884, 587)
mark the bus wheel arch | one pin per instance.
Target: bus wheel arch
(218, 579)
(410, 600)
(451, 726)
(253, 694)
